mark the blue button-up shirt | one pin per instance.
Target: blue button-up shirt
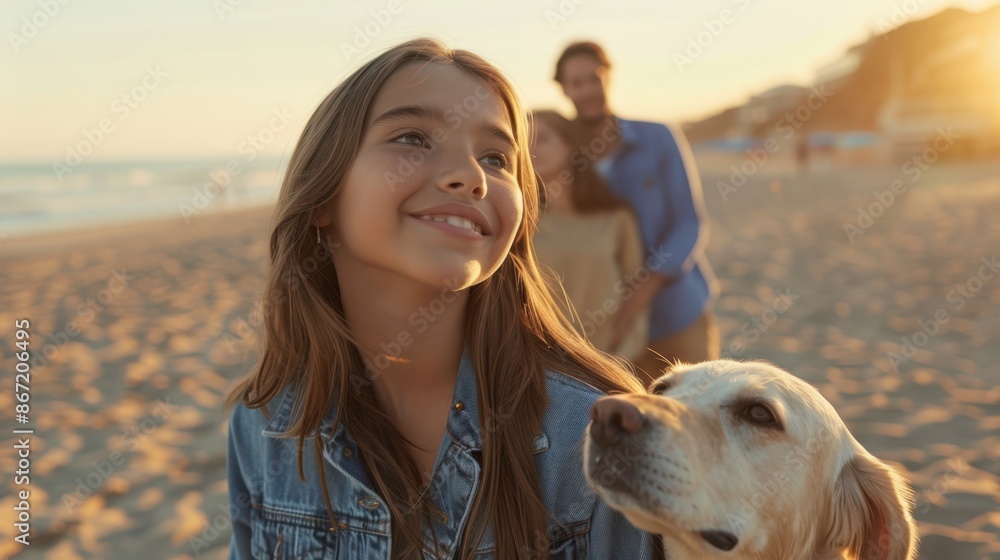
(654, 171)
(275, 515)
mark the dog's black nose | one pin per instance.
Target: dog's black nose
(720, 539)
(613, 418)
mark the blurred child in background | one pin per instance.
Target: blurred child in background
(589, 238)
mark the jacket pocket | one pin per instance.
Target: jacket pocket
(569, 542)
(284, 535)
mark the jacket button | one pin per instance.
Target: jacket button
(369, 502)
(348, 453)
(459, 406)
(440, 516)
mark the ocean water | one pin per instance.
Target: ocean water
(34, 198)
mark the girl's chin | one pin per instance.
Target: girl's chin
(454, 277)
(449, 268)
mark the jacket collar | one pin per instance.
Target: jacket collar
(463, 419)
(630, 134)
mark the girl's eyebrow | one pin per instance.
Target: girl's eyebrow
(409, 112)
(423, 111)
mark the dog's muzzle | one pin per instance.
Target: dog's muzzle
(616, 435)
(615, 423)
(614, 420)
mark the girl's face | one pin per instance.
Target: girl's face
(432, 195)
(550, 154)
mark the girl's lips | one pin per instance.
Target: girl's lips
(471, 213)
(454, 230)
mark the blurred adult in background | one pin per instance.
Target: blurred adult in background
(589, 237)
(650, 166)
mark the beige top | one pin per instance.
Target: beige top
(593, 254)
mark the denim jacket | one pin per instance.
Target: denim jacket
(277, 516)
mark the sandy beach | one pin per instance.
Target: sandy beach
(128, 455)
(142, 328)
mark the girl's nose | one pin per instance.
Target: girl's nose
(476, 190)
(465, 177)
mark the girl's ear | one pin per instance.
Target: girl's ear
(324, 214)
(871, 512)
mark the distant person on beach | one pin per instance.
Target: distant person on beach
(590, 239)
(424, 397)
(650, 166)
(802, 152)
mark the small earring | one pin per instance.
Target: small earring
(318, 240)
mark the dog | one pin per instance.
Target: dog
(742, 460)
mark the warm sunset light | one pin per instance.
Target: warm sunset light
(575, 279)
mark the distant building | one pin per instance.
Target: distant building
(893, 94)
(953, 89)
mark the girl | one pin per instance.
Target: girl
(590, 239)
(443, 395)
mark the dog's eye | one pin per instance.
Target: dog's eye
(661, 385)
(760, 414)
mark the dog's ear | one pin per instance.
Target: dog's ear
(871, 512)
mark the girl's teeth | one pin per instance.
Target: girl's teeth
(459, 222)
(456, 221)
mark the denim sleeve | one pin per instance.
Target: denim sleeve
(687, 235)
(612, 537)
(239, 495)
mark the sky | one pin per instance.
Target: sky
(195, 79)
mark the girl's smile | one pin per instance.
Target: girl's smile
(457, 219)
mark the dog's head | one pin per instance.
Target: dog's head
(742, 460)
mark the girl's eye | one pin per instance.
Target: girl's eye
(409, 137)
(501, 161)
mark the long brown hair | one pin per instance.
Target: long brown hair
(514, 330)
(588, 193)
